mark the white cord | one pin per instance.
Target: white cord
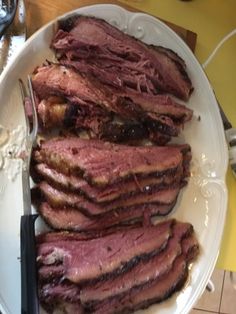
(223, 40)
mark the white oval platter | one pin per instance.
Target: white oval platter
(203, 202)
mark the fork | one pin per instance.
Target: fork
(7, 13)
(29, 297)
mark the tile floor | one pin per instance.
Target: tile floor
(222, 300)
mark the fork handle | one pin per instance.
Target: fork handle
(29, 296)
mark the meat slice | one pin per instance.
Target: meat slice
(55, 236)
(51, 293)
(63, 297)
(69, 218)
(65, 115)
(119, 58)
(145, 271)
(60, 199)
(50, 273)
(107, 256)
(190, 247)
(104, 163)
(148, 281)
(161, 111)
(157, 290)
(112, 192)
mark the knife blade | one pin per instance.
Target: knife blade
(14, 36)
(230, 134)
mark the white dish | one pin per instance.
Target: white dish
(203, 202)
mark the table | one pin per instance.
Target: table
(211, 20)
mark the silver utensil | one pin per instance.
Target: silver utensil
(29, 298)
(7, 13)
(230, 134)
(14, 36)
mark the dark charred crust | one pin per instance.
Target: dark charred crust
(68, 23)
(179, 63)
(171, 53)
(161, 127)
(70, 116)
(192, 253)
(121, 132)
(36, 196)
(51, 275)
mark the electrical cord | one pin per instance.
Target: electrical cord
(218, 46)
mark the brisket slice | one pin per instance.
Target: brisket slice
(160, 104)
(151, 68)
(81, 89)
(71, 219)
(77, 184)
(50, 293)
(116, 253)
(50, 273)
(104, 163)
(60, 199)
(145, 271)
(150, 281)
(190, 248)
(56, 113)
(55, 236)
(55, 296)
(157, 290)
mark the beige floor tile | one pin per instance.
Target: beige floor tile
(228, 302)
(210, 301)
(195, 311)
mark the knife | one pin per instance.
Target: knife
(14, 36)
(29, 296)
(230, 134)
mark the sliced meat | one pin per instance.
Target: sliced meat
(71, 219)
(112, 192)
(107, 256)
(50, 273)
(60, 296)
(161, 111)
(108, 51)
(147, 281)
(155, 292)
(60, 199)
(104, 163)
(49, 292)
(190, 248)
(55, 236)
(145, 271)
(56, 113)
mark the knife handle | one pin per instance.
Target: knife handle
(29, 296)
